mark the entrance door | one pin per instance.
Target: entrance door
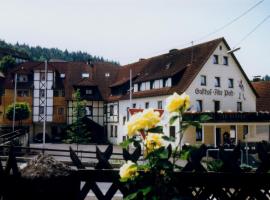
(218, 136)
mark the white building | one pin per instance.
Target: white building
(207, 72)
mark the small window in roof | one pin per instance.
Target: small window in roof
(62, 75)
(168, 65)
(85, 75)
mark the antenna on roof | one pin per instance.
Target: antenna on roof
(191, 52)
(233, 50)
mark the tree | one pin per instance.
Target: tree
(78, 132)
(22, 112)
(7, 62)
(266, 78)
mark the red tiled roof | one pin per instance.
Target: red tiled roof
(184, 63)
(73, 75)
(263, 90)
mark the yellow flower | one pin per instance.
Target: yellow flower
(128, 170)
(154, 141)
(176, 102)
(142, 121)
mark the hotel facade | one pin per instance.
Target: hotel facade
(208, 72)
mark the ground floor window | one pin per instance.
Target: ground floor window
(115, 131)
(199, 134)
(172, 131)
(111, 131)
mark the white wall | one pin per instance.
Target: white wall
(140, 103)
(227, 102)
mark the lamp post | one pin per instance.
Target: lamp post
(14, 102)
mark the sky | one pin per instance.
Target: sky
(127, 30)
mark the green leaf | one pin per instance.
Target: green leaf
(173, 118)
(131, 196)
(146, 190)
(126, 143)
(193, 123)
(164, 154)
(204, 118)
(170, 139)
(158, 129)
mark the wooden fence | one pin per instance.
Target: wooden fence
(193, 181)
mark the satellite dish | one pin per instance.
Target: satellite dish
(233, 50)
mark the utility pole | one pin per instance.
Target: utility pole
(45, 106)
(14, 102)
(130, 88)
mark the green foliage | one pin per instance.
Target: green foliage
(6, 62)
(266, 78)
(78, 131)
(22, 111)
(214, 165)
(40, 54)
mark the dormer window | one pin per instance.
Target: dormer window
(88, 92)
(62, 75)
(158, 84)
(215, 59)
(22, 78)
(85, 75)
(168, 65)
(135, 88)
(168, 82)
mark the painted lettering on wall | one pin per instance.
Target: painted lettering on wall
(216, 92)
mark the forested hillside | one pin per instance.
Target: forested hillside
(40, 54)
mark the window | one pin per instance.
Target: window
(60, 111)
(217, 105)
(220, 47)
(135, 88)
(142, 86)
(233, 132)
(147, 85)
(22, 78)
(230, 83)
(134, 105)
(22, 93)
(198, 105)
(89, 110)
(225, 60)
(111, 110)
(124, 120)
(115, 131)
(159, 103)
(42, 93)
(62, 75)
(111, 132)
(217, 81)
(245, 131)
(199, 134)
(203, 80)
(146, 105)
(58, 93)
(158, 84)
(215, 59)
(88, 91)
(41, 110)
(239, 106)
(172, 131)
(42, 76)
(85, 75)
(168, 82)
